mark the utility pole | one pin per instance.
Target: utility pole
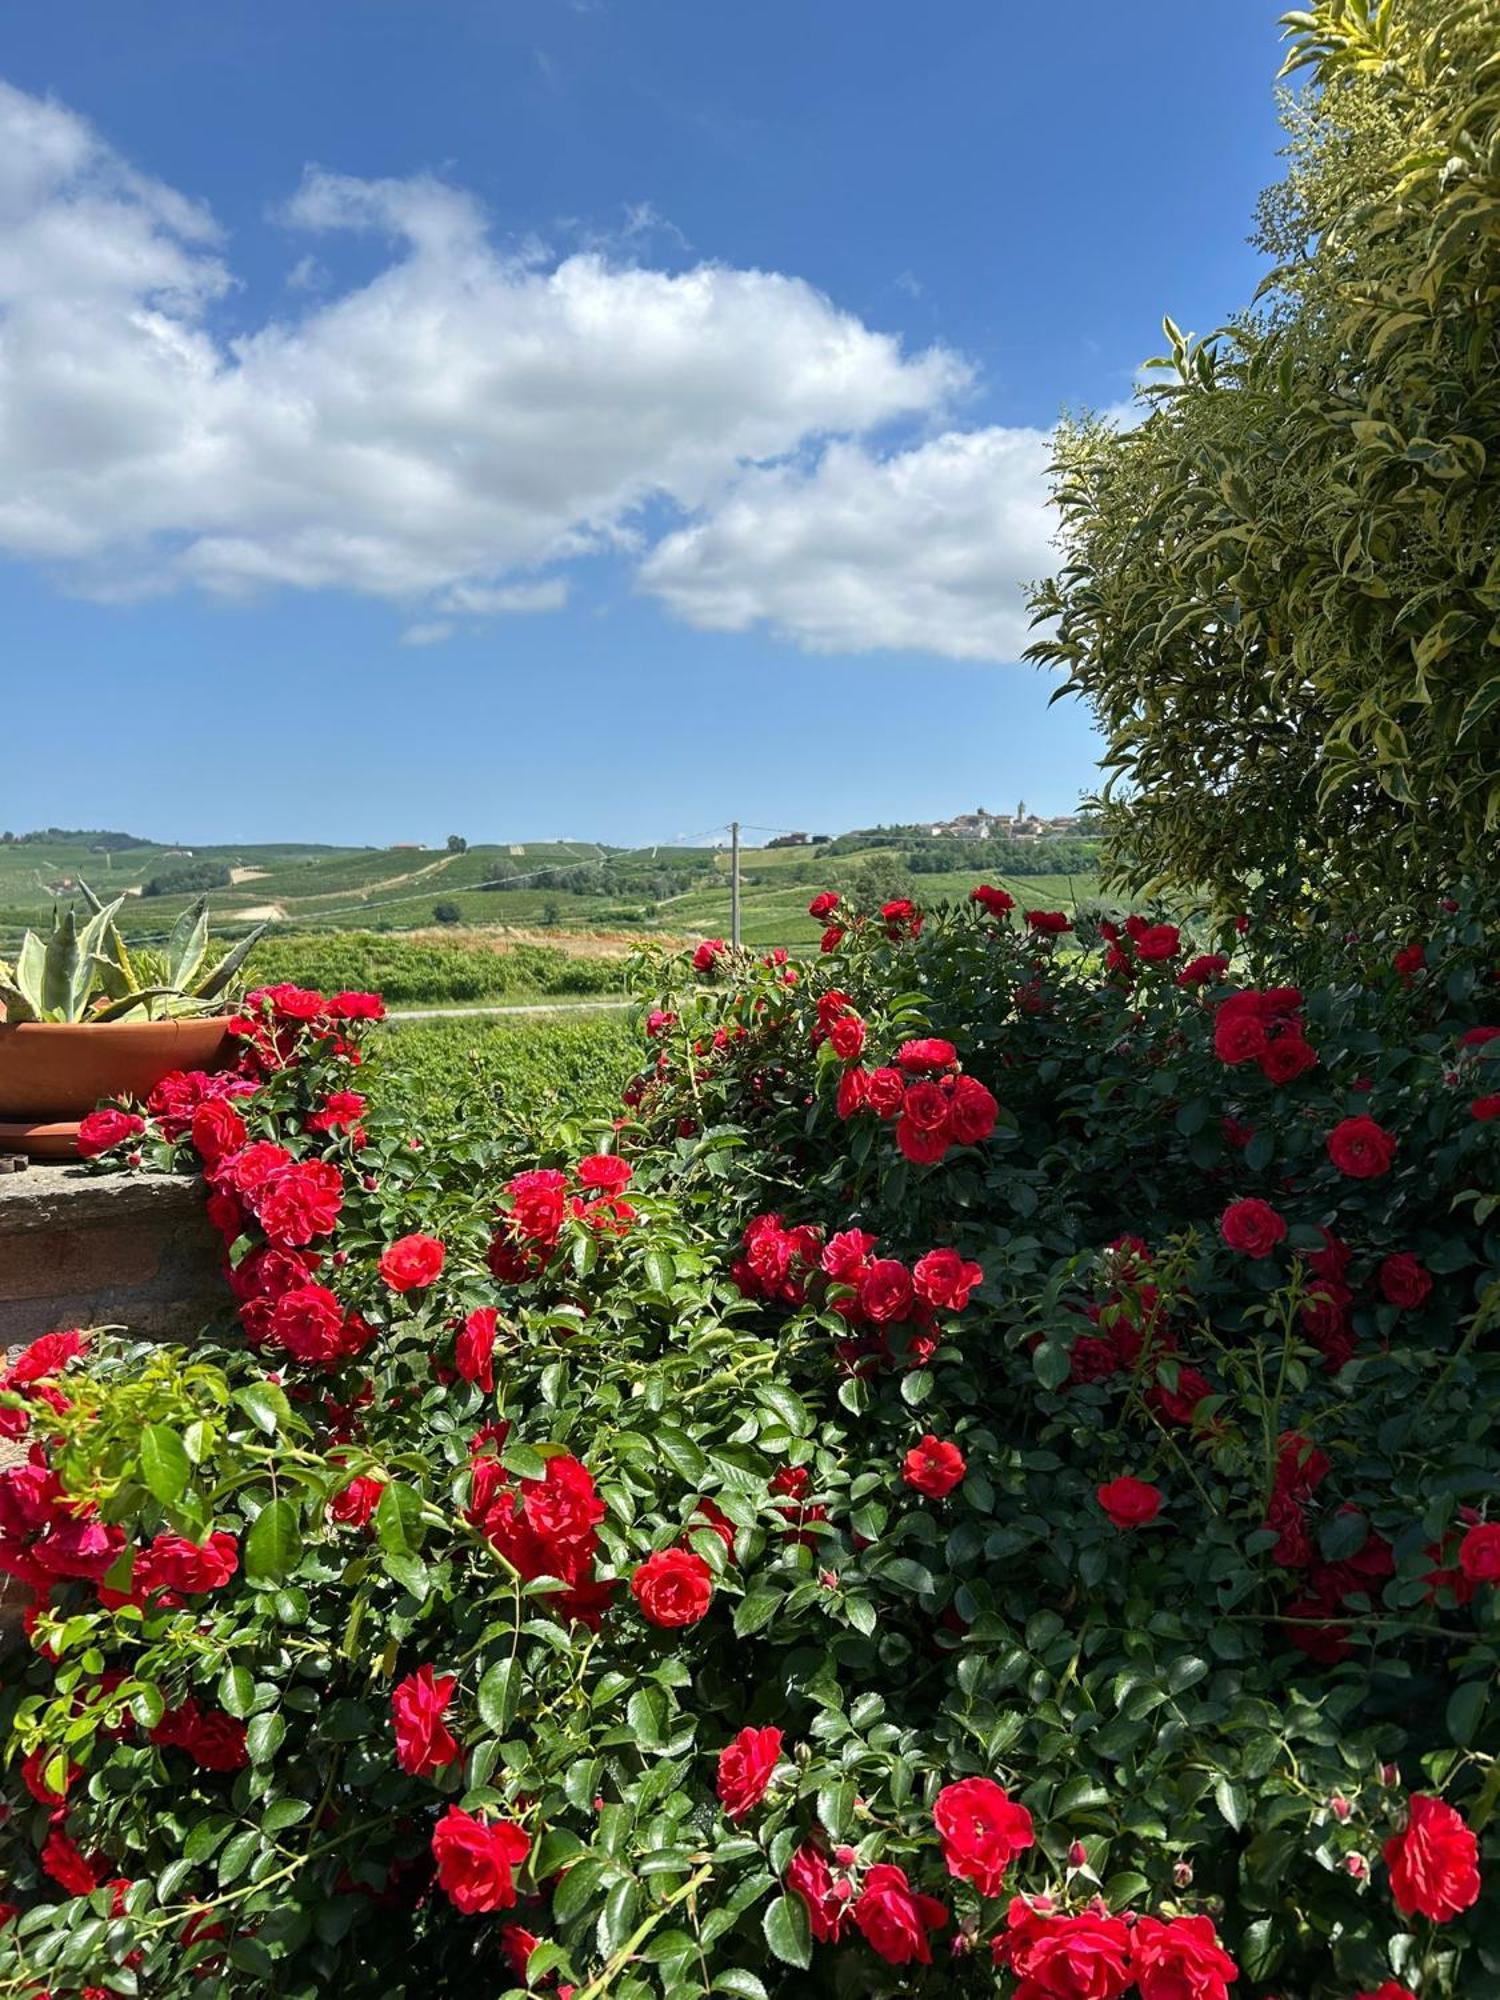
(734, 884)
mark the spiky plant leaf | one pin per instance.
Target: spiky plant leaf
(30, 968)
(187, 944)
(65, 975)
(214, 983)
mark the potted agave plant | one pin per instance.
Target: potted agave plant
(83, 1018)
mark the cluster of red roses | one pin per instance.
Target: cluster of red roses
(900, 918)
(274, 1020)
(1102, 1956)
(1137, 943)
(541, 1200)
(934, 1104)
(1264, 1028)
(1134, 1331)
(542, 1527)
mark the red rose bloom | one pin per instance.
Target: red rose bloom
(100, 1131)
(885, 1291)
(1388, 1990)
(475, 1858)
(925, 1055)
(933, 1467)
(1361, 1148)
(1479, 1553)
(745, 1766)
(847, 1036)
(1433, 1861)
(674, 1587)
(1057, 1957)
(1403, 1281)
(354, 1504)
(995, 902)
(411, 1262)
(1156, 943)
(708, 954)
(174, 1563)
(1129, 1503)
(1252, 1226)
(299, 1202)
(1486, 1108)
(886, 1092)
(605, 1171)
(823, 905)
(70, 1870)
(853, 1093)
(217, 1129)
(418, 1704)
(894, 1918)
(945, 1280)
(474, 1350)
(972, 1112)
(1181, 1960)
(1286, 1057)
(809, 1877)
(1049, 923)
(982, 1830)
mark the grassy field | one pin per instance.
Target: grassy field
(415, 972)
(540, 1070)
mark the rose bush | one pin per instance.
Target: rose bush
(1001, 1501)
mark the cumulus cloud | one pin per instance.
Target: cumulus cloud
(438, 433)
(923, 549)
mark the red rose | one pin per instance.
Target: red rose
(411, 1262)
(475, 1858)
(923, 1149)
(1388, 1990)
(309, 1323)
(708, 954)
(538, 1204)
(926, 1106)
(944, 1279)
(1486, 1108)
(933, 1467)
(1408, 962)
(1129, 1503)
(355, 1503)
(1057, 1957)
(894, 1918)
(673, 1587)
(1361, 1148)
(299, 1201)
(174, 1563)
(886, 1092)
(745, 1766)
(69, 1869)
(103, 1130)
(846, 1255)
(217, 1129)
(474, 1350)
(1181, 1960)
(854, 1092)
(418, 1704)
(885, 1291)
(995, 901)
(1252, 1226)
(1050, 923)
(214, 1741)
(356, 1007)
(1286, 1057)
(982, 1830)
(847, 1036)
(606, 1171)
(1404, 1281)
(1157, 942)
(823, 905)
(1479, 1553)
(1433, 1862)
(1239, 1036)
(831, 939)
(972, 1112)
(1203, 971)
(928, 1053)
(826, 1900)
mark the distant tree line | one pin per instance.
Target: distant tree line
(72, 836)
(1048, 855)
(189, 880)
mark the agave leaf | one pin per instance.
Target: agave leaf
(110, 979)
(90, 898)
(65, 974)
(17, 1007)
(30, 966)
(91, 937)
(187, 944)
(115, 1010)
(214, 983)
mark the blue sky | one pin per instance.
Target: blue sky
(573, 417)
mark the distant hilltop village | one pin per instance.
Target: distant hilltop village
(1019, 825)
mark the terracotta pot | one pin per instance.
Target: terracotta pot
(53, 1073)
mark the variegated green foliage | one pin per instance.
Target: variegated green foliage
(85, 973)
(1281, 592)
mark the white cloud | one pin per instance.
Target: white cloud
(516, 599)
(460, 416)
(924, 549)
(431, 633)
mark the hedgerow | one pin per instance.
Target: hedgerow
(977, 1478)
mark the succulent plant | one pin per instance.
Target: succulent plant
(87, 974)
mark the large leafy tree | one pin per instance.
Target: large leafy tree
(1281, 591)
